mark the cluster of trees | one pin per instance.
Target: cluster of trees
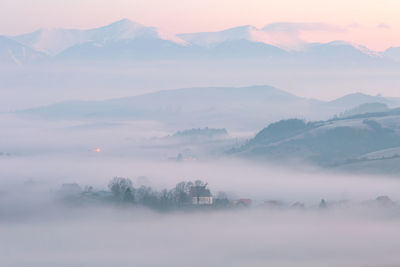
(124, 192)
(209, 132)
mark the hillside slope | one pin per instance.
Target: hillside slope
(328, 143)
(244, 107)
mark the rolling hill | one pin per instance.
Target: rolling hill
(247, 108)
(332, 143)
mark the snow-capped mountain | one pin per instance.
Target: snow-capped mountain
(14, 53)
(337, 50)
(209, 39)
(54, 41)
(127, 40)
(123, 50)
(126, 29)
(264, 35)
(280, 41)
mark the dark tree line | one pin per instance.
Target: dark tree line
(123, 191)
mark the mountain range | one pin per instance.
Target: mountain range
(126, 40)
(239, 108)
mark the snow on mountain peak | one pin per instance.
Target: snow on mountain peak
(207, 39)
(53, 41)
(119, 30)
(13, 52)
(128, 29)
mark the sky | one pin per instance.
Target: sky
(373, 23)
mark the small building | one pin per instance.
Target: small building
(201, 195)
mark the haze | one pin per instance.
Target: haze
(199, 133)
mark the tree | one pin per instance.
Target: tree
(222, 200)
(88, 189)
(147, 196)
(181, 193)
(222, 195)
(166, 199)
(322, 204)
(199, 183)
(128, 196)
(119, 186)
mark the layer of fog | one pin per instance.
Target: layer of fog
(37, 229)
(29, 136)
(53, 152)
(256, 181)
(246, 238)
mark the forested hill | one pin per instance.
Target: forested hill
(353, 140)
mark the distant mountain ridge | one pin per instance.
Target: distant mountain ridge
(236, 107)
(128, 40)
(356, 99)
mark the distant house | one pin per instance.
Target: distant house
(201, 195)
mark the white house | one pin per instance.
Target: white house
(201, 195)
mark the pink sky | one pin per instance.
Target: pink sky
(373, 23)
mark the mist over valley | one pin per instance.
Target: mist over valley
(124, 144)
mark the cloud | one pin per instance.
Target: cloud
(291, 27)
(383, 26)
(289, 35)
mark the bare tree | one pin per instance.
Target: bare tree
(119, 186)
